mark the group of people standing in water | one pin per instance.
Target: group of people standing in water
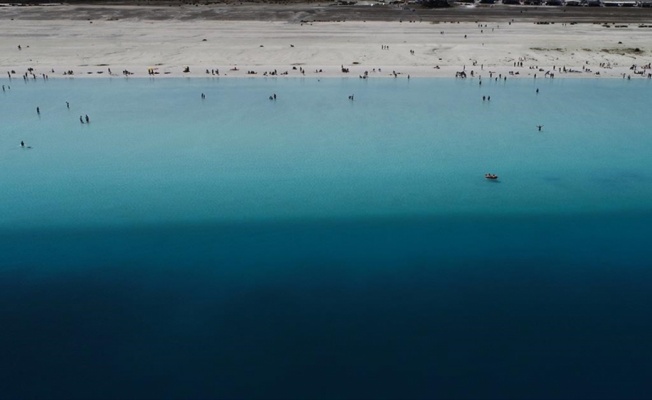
(84, 119)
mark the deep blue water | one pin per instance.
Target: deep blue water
(370, 260)
(427, 308)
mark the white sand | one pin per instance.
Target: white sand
(136, 45)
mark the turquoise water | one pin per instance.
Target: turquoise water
(316, 247)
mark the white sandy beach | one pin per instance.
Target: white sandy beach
(418, 49)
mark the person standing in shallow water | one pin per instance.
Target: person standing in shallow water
(81, 119)
(88, 120)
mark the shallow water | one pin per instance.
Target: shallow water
(314, 247)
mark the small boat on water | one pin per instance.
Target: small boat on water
(491, 176)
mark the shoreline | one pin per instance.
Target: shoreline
(256, 48)
(355, 72)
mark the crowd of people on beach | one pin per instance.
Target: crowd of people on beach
(644, 70)
(549, 72)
